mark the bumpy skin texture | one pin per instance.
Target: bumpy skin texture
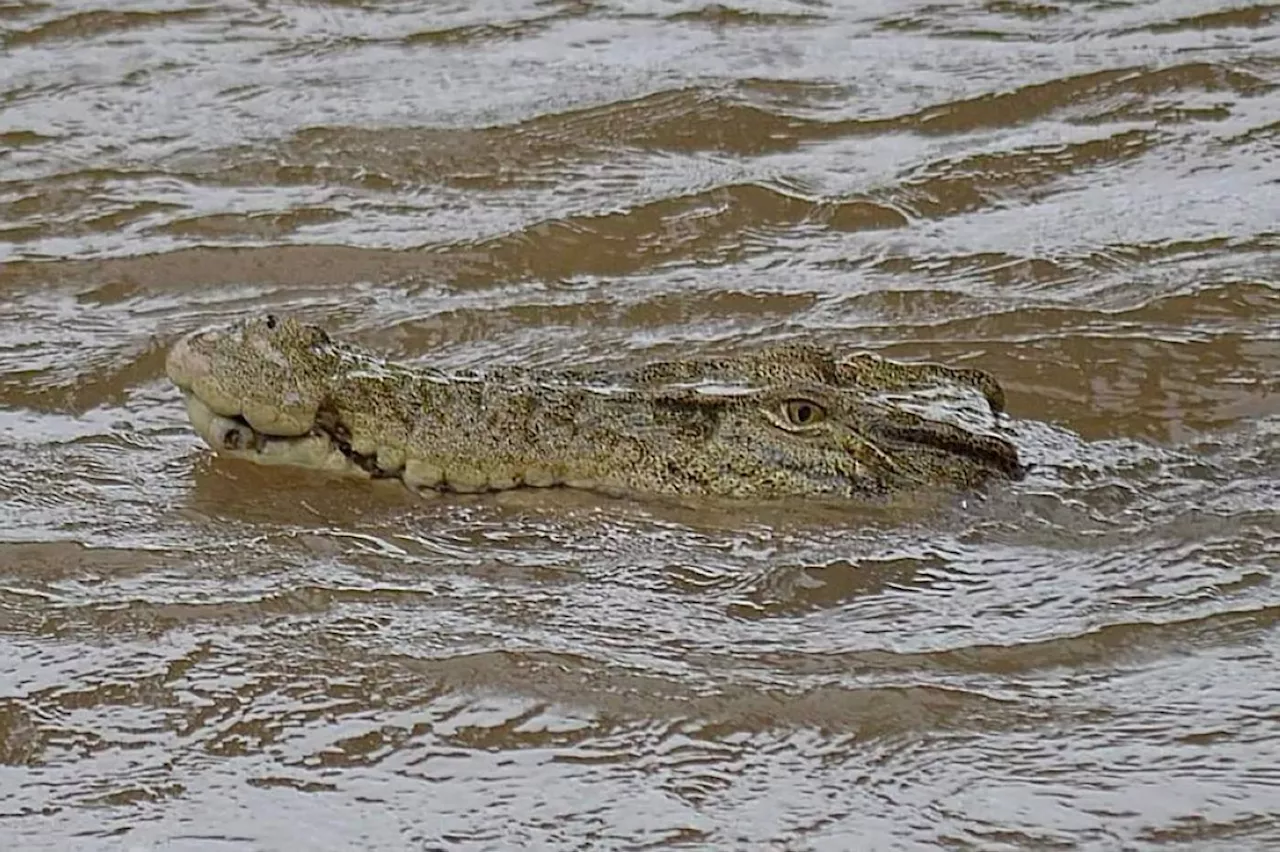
(786, 421)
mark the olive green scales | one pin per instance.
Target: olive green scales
(790, 420)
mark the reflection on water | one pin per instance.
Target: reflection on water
(1080, 198)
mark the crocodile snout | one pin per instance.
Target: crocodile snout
(184, 364)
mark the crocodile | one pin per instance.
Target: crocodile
(789, 420)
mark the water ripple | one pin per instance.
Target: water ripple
(1076, 197)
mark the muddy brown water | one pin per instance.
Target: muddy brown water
(1082, 197)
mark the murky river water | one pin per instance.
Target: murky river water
(1082, 197)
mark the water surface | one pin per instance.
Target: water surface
(1079, 197)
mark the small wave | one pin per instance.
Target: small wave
(96, 23)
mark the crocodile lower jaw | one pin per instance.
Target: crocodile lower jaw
(235, 438)
(324, 450)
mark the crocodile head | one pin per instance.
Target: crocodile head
(786, 421)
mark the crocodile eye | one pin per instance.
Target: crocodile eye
(802, 412)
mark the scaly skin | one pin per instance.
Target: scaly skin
(787, 421)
